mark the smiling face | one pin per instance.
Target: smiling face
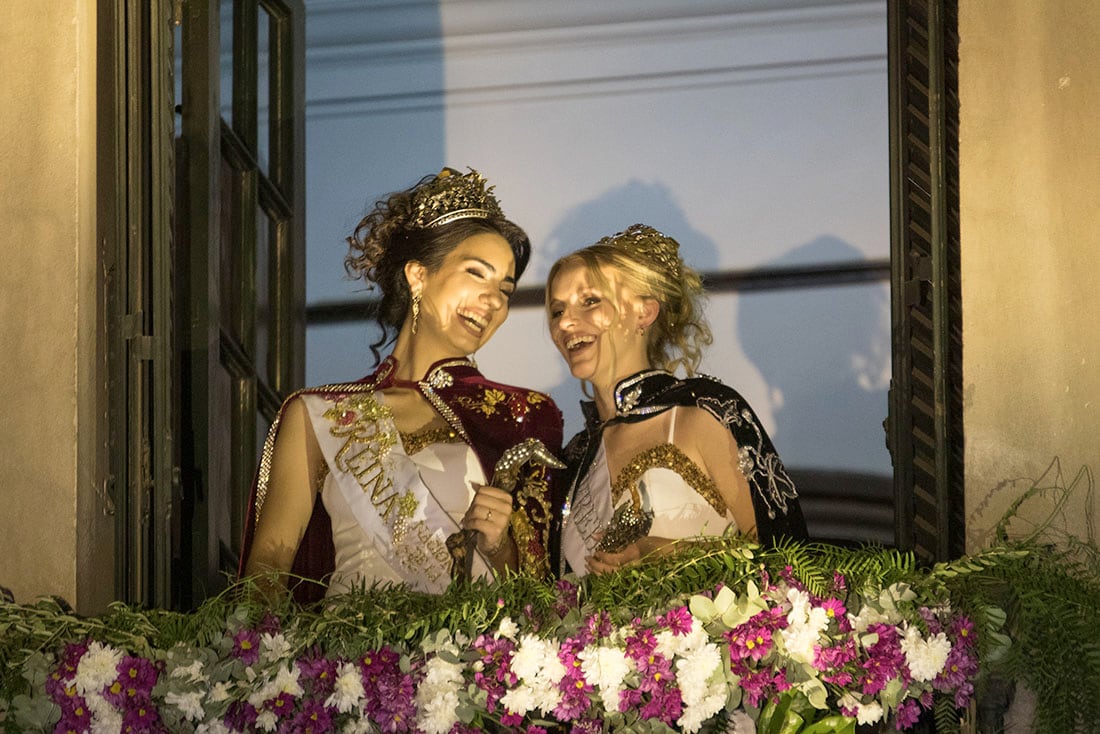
(595, 325)
(465, 300)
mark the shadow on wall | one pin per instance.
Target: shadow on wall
(631, 203)
(825, 354)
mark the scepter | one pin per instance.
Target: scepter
(463, 544)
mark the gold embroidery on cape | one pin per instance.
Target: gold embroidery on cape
(417, 441)
(668, 456)
(535, 398)
(490, 399)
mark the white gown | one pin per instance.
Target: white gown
(396, 529)
(684, 501)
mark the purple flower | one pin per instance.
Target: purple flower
(318, 675)
(763, 685)
(566, 597)
(282, 705)
(885, 660)
(495, 676)
(312, 719)
(141, 716)
(241, 716)
(907, 715)
(678, 620)
(246, 646)
(390, 692)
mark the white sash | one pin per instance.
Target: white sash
(382, 487)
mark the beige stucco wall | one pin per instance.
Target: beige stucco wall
(50, 362)
(1029, 88)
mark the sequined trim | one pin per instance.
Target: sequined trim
(263, 473)
(417, 441)
(762, 468)
(668, 456)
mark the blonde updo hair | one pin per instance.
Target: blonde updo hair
(649, 264)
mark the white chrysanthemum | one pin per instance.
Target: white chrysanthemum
(702, 696)
(537, 658)
(358, 725)
(695, 670)
(267, 721)
(805, 624)
(507, 628)
(189, 704)
(605, 667)
(925, 658)
(192, 673)
(285, 681)
(221, 691)
(213, 727)
(273, 647)
(437, 696)
(519, 700)
(535, 662)
(347, 689)
(106, 719)
(97, 669)
(869, 713)
(696, 638)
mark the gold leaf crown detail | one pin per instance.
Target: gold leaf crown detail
(451, 196)
(653, 248)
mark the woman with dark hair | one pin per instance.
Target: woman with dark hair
(374, 480)
(661, 457)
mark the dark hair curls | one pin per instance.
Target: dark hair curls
(384, 241)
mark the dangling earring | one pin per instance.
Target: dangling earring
(415, 309)
(640, 331)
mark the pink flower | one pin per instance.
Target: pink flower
(677, 620)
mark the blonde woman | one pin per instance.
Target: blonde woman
(661, 457)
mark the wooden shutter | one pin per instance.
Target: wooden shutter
(925, 421)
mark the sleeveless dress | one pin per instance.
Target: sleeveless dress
(449, 470)
(388, 501)
(683, 498)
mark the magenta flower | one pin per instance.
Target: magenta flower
(314, 718)
(885, 660)
(764, 685)
(318, 674)
(241, 716)
(141, 715)
(495, 676)
(677, 620)
(390, 693)
(907, 715)
(246, 646)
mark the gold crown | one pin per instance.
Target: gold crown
(452, 195)
(654, 248)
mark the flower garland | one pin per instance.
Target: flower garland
(767, 648)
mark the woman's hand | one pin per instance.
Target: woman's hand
(605, 561)
(490, 514)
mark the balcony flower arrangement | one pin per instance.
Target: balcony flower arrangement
(722, 635)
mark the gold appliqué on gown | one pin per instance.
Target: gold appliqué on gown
(668, 456)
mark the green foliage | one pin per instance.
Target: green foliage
(1035, 604)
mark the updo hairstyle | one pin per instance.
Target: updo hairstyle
(649, 264)
(392, 235)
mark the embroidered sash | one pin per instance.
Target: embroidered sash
(383, 488)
